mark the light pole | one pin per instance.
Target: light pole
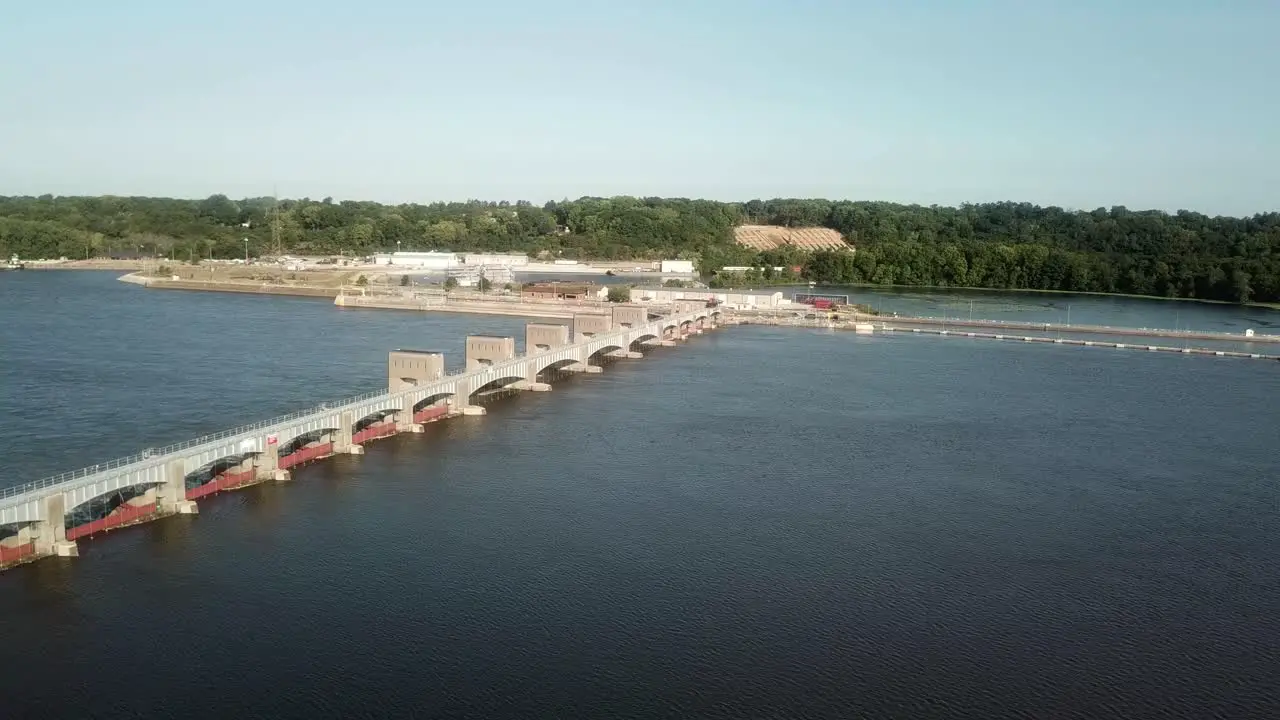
(246, 251)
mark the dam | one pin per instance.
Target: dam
(47, 517)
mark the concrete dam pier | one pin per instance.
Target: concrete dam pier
(47, 517)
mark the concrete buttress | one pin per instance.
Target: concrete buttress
(269, 460)
(404, 418)
(52, 530)
(342, 441)
(171, 497)
(464, 399)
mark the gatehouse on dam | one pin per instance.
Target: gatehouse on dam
(48, 516)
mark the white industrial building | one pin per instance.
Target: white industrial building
(469, 275)
(418, 260)
(684, 267)
(733, 298)
(512, 260)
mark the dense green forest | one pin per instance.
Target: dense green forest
(997, 245)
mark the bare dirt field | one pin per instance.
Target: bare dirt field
(767, 237)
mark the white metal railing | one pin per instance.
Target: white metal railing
(150, 453)
(961, 318)
(176, 447)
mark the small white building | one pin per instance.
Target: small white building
(418, 260)
(684, 267)
(740, 299)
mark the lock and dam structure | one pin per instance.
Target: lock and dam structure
(47, 517)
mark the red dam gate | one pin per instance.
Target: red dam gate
(306, 454)
(125, 514)
(430, 414)
(14, 553)
(372, 432)
(225, 481)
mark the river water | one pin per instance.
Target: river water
(763, 522)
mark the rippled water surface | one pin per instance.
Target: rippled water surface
(760, 523)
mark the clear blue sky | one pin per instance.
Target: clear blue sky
(1084, 103)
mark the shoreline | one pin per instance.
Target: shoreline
(135, 266)
(132, 265)
(557, 310)
(561, 310)
(566, 309)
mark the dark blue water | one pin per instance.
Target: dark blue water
(760, 523)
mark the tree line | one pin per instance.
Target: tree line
(998, 245)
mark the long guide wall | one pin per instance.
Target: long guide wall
(27, 504)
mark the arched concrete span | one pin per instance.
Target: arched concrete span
(143, 486)
(377, 424)
(221, 474)
(430, 400)
(208, 471)
(373, 418)
(307, 438)
(557, 365)
(125, 506)
(432, 407)
(605, 351)
(640, 341)
(498, 384)
(307, 446)
(109, 501)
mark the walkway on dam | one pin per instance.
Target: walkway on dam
(798, 312)
(47, 516)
